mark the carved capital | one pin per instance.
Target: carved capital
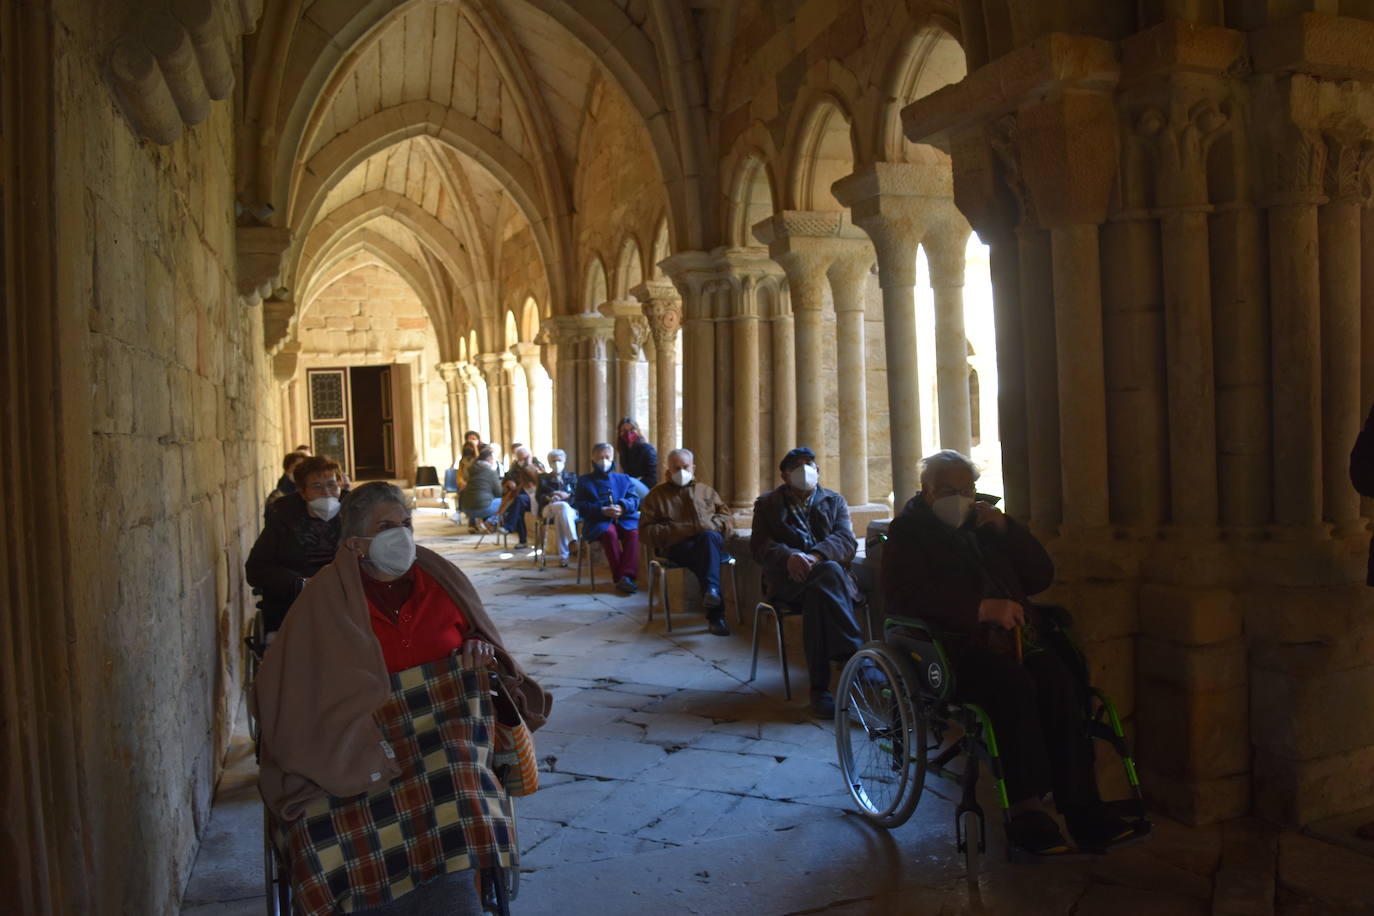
(278, 321)
(664, 317)
(1002, 138)
(1176, 141)
(260, 253)
(1349, 170)
(285, 361)
(452, 375)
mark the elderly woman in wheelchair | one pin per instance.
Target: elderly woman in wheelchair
(379, 703)
(965, 647)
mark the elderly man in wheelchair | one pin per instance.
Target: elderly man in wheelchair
(971, 649)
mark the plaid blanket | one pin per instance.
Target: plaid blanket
(445, 813)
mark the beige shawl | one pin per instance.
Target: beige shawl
(323, 678)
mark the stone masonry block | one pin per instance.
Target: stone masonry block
(1301, 791)
(1196, 801)
(1315, 614)
(1104, 610)
(1207, 669)
(1191, 616)
(1111, 669)
(1313, 659)
(1302, 718)
(1191, 734)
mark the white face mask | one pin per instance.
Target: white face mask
(556, 465)
(682, 477)
(324, 508)
(804, 477)
(604, 465)
(952, 510)
(393, 551)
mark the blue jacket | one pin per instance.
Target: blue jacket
(594, 491)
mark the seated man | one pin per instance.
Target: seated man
(968, 571)
(687, 522)
(555, 490)
(609, 506)
(481, 497)
(803, 540)
(519, 485)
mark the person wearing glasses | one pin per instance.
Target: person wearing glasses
(967, 570)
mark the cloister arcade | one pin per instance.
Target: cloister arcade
(1121, 253)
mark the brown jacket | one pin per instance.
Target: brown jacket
(670, 513)
(324, 678)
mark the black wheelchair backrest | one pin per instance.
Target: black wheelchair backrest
(911, 637)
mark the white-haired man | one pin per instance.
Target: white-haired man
(955, 561)
(687, 522)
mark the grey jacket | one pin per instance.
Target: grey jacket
(773, 540)
(484, 485)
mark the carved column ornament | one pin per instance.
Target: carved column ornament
(260, 250)
(278, 319)
(1178, 144)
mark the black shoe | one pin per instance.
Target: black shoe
(523, 545)
(712, 598)
(1096, 827)
(718, 626)
(1037, 833)
(871, 675)
(822, 703)
(627, 586)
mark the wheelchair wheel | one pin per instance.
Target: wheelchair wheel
(880, 735)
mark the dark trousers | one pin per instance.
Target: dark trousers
(514, 519)
(1036, 708)
(830, 631)
(701, 554)
(622, 551)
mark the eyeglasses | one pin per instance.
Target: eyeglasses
(969, 492)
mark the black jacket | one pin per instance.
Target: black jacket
(926, 574)
(293, 546)
(772, 540)
(640, 461)
(1362, 474)
(551, 482)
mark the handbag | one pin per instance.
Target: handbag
(513, 759)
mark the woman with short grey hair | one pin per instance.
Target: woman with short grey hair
(385, 656)
(555, 489)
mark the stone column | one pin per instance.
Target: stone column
(945, 255)
(489, 364)
(890, 201)
(1348, 163)
(556, 338)
(784, 382)
(1295, 161)
(453, 380)
(848, 275)
(663, 307)
(806, 244)
(1068, 156)
(690, 272)
(516, 400)
(600, 331)
(537, 391)
(746, 386)
(630, 330)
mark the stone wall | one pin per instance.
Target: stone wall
(166, 451)
(370, 317)
(520, 273)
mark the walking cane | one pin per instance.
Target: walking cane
(1018, 643)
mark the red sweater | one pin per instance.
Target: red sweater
(428, 624)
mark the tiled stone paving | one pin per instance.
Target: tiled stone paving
(672, 786)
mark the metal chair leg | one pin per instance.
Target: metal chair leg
(782, 654)
(754, 656)
(734, 593)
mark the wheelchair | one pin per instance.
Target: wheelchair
(891, 734)
(499, 886)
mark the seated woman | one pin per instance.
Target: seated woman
(380, 666)
(520, 484)
(301, 536)
(481, 495)
(555, 490)
(968, 571)
(609, 505)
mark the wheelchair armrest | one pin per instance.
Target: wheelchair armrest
(910, 623)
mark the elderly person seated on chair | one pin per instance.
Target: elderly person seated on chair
(481, 497)
(553, 496)
(803, 540)
(609, 505)
(968, 571)
(686, 521)
(519, 484)
(374, 673)
(301, 536)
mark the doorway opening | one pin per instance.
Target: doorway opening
(352, 419)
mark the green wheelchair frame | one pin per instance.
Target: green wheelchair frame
(917, 704)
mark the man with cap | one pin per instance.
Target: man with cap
(803, 539)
